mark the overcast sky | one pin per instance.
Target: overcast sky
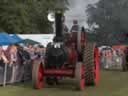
(77, 11)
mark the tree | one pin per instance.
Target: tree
(111, 17)
(27, 16)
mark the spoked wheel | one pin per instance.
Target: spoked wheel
(79, 75)
(37, 75)
(91, 62)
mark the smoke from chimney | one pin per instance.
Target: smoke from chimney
(77, 11)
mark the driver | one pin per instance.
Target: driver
(75, 26)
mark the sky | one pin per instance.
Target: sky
(77, 11)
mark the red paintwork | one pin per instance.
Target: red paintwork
(40, 83)
(122, 47)
(72, 56)
(58, 72)
(96, 59)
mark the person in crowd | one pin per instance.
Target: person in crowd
(3, 61)
(23, 60)
(7, 53)
(37, 51)
(30, 50)
(11, 54)
(13, 62)
(28, 66)
(3, 58)
(66, 30)
(43, 51)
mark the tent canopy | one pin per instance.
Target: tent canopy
(16, 37)
(5, 39)
(31, 42)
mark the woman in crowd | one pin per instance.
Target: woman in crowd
(3, 61)
(13, 61)
(3, 58)
(11, 54)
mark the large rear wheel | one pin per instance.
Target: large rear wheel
(91, 62)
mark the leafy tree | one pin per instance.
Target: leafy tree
(111, 17)
(27, 16)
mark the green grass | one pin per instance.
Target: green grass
(112, 83)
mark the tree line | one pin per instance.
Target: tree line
(27, 16)
(111, 17)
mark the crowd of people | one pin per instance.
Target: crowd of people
(19, 60)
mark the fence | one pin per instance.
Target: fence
(10, 74)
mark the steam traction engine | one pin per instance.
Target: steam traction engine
(67, 56)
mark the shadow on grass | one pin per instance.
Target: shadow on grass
(64, 86)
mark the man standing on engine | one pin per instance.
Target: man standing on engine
(74, 30)
(75, 26)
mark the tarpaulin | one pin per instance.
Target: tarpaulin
(5, 39)
(16, 37)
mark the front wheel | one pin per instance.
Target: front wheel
(37, 75)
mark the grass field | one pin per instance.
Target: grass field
(112, 83)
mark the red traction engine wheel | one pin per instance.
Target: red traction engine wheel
(96, 62)
(91, 62)
(38, 74)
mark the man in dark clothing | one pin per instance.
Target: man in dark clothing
(74, 31)
(23, 58)
(75, 26)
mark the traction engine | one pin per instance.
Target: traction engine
(69, 55)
